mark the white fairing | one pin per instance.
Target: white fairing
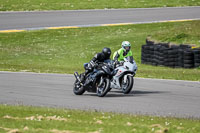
(131, 66)
(125, 70)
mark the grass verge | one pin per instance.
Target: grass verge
(30, 5)
(65, 50)
(36, 119)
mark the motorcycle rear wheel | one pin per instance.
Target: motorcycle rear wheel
(127, 87)
(103, 89)
(78, 89)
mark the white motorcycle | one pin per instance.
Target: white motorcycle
(123, 75)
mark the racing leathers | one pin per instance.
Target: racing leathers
(121, 54)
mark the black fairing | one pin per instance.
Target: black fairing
(106, 69)
(92, 86)
(102, 70)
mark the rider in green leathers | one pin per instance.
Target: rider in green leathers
(123, 52)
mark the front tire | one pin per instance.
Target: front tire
(103, 89)
(78, 89)
(127, 87)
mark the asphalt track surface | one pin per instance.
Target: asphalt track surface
(87, 18)
(149, 96)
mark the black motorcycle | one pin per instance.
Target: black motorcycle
(100, 84)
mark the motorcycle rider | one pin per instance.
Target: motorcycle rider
(99, 57)
(123, 52)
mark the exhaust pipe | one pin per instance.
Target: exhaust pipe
(77, 76)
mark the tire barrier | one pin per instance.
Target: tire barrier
(175, 56)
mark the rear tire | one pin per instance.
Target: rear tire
(78, 89)
(126, 88)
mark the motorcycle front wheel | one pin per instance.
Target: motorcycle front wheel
(104, 88)
(128, 85)
(78, 89)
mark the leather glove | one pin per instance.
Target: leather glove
(116, 62)
(89, 67)
(92, 64)
(121, 63)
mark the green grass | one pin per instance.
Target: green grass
(184, 34)
(45, 120)
(65, 50)
(29, 5)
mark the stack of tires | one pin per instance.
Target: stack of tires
(180, 57)
(159, 55)
(175, 56)
(196, 57)
(188, 58)
(153, 54)
(146, 54)
(156, 55)
(171, 56)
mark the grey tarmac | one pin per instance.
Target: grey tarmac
(148, 97)
(87, 18)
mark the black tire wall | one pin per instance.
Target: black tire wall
(175, 56)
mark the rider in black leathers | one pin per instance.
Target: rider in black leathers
(98, 58)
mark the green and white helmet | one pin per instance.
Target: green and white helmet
(126, 45)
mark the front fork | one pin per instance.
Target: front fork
(125, 77)
(101, 81)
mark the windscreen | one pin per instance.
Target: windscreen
(130, 59)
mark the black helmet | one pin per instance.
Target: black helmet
(106, 52)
